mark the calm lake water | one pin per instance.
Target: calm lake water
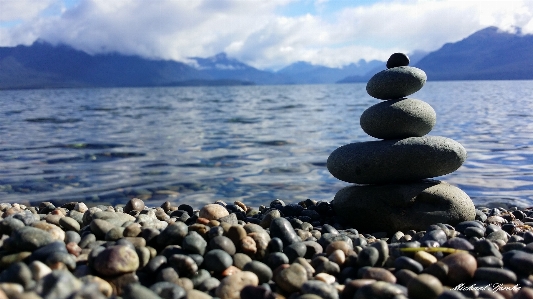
(251, 143)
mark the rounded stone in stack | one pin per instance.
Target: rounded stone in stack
(397, 59)
(393, 161)
(396, 83)
(401, 207)
(396, 119)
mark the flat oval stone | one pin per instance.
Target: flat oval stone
(29, 238)
(393, 161)
(402, 207)
(396, 119)
(396, 83)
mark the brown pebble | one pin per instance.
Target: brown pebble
(424, 286)
(185, 283)
(103, 286)
(213, 223)
(337, 257)
(55, 231)
(134, 204)
(203, 221)
(213, 212)
(53, 219)
(236, 233)
(261, 243)
(73, 249)
(310, 270)
(161, 215)
(166, 206)
(338, 245)
(461, 267)
(403, 276)
(201, 229)
(120, 281)
(327, 278)
(379, 274)
(353, 285)
(439, 270)
(230, 287)
(241, 205)
(524, 293)
(132, 230)
(425, 258)
(230, 271)
(11, 211)
(247, 246)
(292, 278)
(116, 260)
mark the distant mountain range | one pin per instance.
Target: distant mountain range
(488, 54)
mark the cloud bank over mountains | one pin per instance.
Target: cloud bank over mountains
(260, 33)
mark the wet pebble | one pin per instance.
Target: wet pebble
(230, 287)
(217, 260)
(116, 260)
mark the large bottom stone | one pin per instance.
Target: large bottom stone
(401, 207)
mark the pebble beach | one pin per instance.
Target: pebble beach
(278, 250)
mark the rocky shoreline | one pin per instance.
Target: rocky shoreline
(276, 251)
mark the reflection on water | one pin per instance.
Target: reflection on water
(250, 143)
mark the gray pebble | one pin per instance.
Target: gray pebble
(263, 272)
(69, 224)
(194, 243)
(198, 277)
(368, 257)
(295, 250)
(424, 286)
(223, 243)
(396, 83)
(281, 228)
(275, 259)
(172, 234)
(495, 275)
(404, 262)
(209, 284)
(397, 119)
(489, 261)
(168, 290)
(458, 243)
(29, 238)
(137, 291)
(320, 289)
(183, 264)
(217, 260)
(393, 161)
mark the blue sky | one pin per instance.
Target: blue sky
(266, 34)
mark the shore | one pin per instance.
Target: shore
(231, 250)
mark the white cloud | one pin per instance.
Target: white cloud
(13, 10)
(254, 32)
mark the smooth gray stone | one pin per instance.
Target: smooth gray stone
(402, 207)
(394, 161)
(396, 119)
(282, 228)
(396, 83)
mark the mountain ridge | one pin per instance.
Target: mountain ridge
(488, 54)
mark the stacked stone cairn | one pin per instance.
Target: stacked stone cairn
(393, 190)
